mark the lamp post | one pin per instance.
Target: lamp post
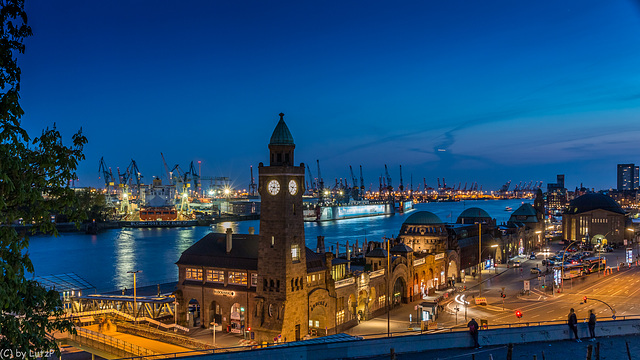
(480, 256)
(213, 326)
(388, 290)
(135, 296)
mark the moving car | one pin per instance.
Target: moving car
(535, 270)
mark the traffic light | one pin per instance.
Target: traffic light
(249, 329)
(503, 295)
(584, 299)
(518, 314)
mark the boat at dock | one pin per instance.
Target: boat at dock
(353, 209)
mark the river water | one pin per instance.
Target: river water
(104, 259)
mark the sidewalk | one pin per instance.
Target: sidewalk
(399, 316)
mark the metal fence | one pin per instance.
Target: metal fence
(109, 344)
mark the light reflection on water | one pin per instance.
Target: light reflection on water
(125, 259)
(104, 259)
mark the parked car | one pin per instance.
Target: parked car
(532, 257)
(535, 270)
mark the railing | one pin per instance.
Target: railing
(109, 344)
(153, 333)
(124, 315)
(371, 336)
(463, 327)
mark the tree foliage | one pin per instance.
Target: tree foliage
(93, 205)
(34, 178)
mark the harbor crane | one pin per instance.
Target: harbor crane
(311, 187)
(252, 185)
(401, 187)
(166, 168)
(109, 182)
(195, 178)
(388, 177)
(361, 181)
(320, 185)
(354, 190)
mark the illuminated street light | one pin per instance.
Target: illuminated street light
(135, 296)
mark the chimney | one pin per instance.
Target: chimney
(252, 230)
(229, 232)
(320, 246)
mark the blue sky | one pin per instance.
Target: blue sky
(509, 90)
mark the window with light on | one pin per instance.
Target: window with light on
(295, 253)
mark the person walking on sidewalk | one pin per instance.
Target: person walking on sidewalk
(592, 325)
(573, 324)
(473, 330)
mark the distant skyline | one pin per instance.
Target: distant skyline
(470, 91)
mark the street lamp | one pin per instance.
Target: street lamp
(388, 290)
(135, 295)
(480, 257)
(213, 326)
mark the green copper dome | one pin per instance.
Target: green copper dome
(423, 218)
(281, 135)
(474, 212)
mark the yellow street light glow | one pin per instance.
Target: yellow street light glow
(496, 245)
(184, 195)
(227, 191)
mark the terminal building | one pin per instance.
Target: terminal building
(271, 287)
(594, 216)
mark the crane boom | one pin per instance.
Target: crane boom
(166, 168)
(361, 180)
(252, 184)
(386, 173)
(401, 187)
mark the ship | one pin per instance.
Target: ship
(353, 209)
(159, 203)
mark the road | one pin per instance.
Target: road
(617, 289)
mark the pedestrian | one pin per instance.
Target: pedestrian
(592, 325)
(573, 324)
(473, 330)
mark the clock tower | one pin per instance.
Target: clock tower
(281, 296)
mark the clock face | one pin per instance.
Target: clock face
(293, 187)
(273, 187)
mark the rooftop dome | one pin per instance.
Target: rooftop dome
(281, 134)
(474, 212)
(423, 218)
(588, 202)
